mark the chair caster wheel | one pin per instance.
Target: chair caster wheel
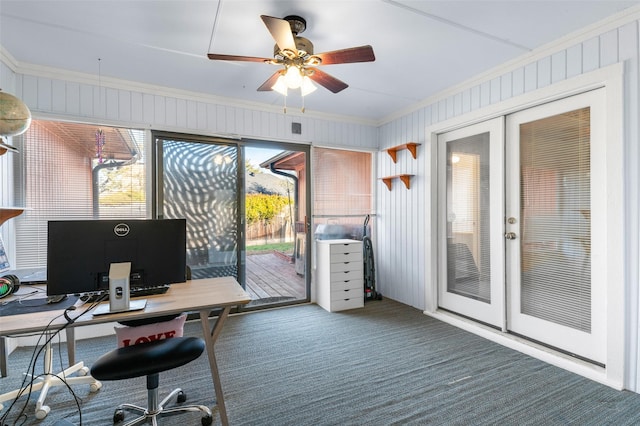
(95, 386)
(182, 397)
(84, 371)
(42, 412)
(118, 416)
(207, 420)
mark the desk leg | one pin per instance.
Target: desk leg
(71, 345)
(210, 337)
(44, 382)
(3, 356)
(71, 351)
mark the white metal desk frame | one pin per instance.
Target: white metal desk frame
(202, 296)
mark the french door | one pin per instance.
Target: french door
(553, 163)
(517, 199)
(471, 279)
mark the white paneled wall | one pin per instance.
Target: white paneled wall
(401, 214)
(185, 112)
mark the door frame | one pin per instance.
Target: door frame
(617, 325)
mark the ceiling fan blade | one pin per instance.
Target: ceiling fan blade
(215, 56)
(324, 79)
(347, 56)
(267, 85)
(281, 32)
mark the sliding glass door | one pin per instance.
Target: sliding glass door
(198, 180)
(246, 207)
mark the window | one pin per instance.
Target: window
(74, 171)
(342, 193)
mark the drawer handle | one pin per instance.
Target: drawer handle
(346, 272)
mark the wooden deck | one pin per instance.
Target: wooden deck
(273, 277)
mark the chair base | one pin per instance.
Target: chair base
(159, 410)
(48, 380)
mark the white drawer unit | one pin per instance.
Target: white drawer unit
(339, 273)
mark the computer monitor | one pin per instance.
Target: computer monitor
(80, 253)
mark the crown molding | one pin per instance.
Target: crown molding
(146, 88)
(8, 59)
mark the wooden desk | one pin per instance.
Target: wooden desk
(201, 296)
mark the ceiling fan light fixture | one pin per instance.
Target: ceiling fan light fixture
(293, 77)
(296, 55)
(280, 86)
(307, 86)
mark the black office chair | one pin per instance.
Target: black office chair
(150, 359)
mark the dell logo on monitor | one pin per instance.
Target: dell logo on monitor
(121, 229)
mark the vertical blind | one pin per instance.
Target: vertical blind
(555, 216)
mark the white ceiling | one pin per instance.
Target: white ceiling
(421, 47)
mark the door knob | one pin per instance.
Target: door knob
(510, 235)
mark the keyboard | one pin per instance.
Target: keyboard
(148, 291)
(133, 292)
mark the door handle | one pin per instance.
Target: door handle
(510, 235)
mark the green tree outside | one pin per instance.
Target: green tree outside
(263, 207)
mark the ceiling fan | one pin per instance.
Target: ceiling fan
(299, 63)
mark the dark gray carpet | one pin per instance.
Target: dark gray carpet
(385, 364)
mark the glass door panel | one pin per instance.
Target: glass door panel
(199, 182)
(470, 225)
(248, 221)
(551, 199)
(275, 206)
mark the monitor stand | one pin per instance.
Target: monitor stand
(119, 274)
